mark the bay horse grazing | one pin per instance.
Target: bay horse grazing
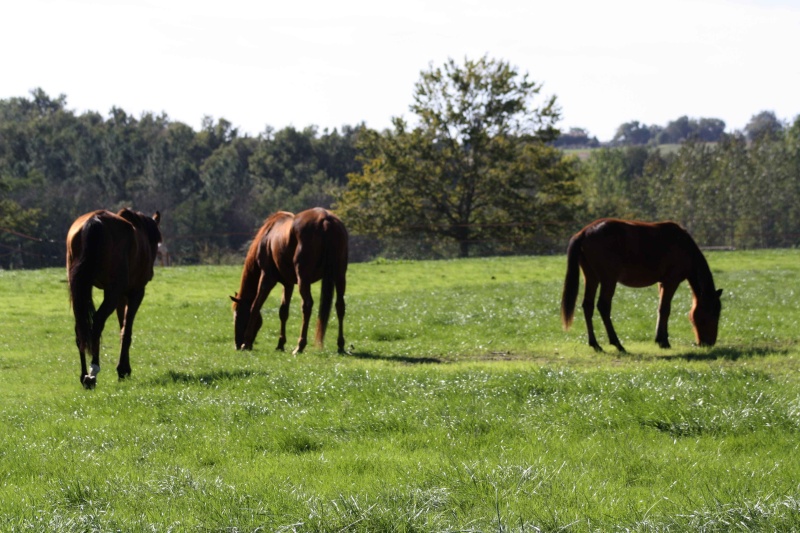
(639, 254)
(115, 253)
(293, 249)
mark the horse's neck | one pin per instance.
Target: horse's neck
(250, 276)
(700, 280)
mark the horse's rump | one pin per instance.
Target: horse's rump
(334, 259)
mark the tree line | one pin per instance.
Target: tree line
(478, 171)
(685, 129)
(212, 186)
(676, 131)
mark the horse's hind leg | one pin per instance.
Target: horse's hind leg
(126, 313)
(604, 308)
(308, 304)
(588, 311)
(84, 317)
(99, 322)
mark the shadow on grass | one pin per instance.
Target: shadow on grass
(729, 353)
(397, 358)
(204, 378)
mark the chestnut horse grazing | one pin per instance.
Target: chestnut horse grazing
(639, 254)
(293, 249)
(114, 253)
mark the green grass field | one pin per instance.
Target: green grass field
(463, 406)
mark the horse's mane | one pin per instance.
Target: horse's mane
(701, 280)
(134, 217)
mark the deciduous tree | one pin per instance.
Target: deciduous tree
(763, 125)
(475, 168)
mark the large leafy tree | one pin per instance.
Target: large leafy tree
(476, 168)
(763, 125)
(632, 133)
(612, 182)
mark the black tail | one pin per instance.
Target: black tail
(571, 282)
(330, 269)
(82, 273)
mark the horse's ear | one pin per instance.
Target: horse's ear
(719, 293)
(235, 299)
(157, 217)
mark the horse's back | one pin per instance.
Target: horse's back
(635, 253)
(122, 249)
(632, 238)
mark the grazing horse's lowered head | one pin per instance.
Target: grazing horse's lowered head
(704, 316)
(243, 338)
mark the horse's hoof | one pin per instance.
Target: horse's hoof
(297, 351)
(89, 382)
(346, 351)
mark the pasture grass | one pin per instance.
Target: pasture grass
(463, 406)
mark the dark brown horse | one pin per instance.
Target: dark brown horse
(293, 249)
(114, 253)
(639, 254)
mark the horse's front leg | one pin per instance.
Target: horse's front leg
(126, 313)
(283, 314)
(665, 294)
(604, 308)
(307, 304)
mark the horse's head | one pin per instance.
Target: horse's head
(153, 232)
(704, 317)
(244, 334)
(148, 226)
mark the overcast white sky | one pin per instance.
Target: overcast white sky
(330, 63)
